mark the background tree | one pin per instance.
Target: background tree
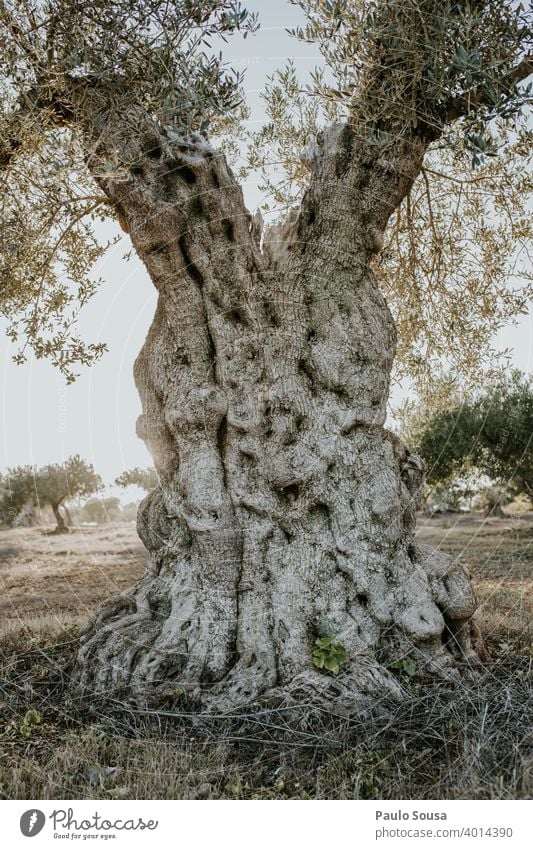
(101, 510)
(490, 432)
(58, 483)
(492, 499)
(17, 496)
(48, 486)
(284, 513)
(143, 478)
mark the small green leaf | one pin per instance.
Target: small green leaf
(328, 655)
(318, 660)
(409, 667)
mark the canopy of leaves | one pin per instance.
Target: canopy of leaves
(456, 266)
(143, 478)
(56, 483)
(491, 432)
(48, 485)
(64, 65)
(450, 71)
(395, 64)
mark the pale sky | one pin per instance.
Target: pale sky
(43, 420)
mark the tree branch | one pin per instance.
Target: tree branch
(469, 101)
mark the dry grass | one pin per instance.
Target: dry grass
(474, 742)
(47, 580)
(499, 553)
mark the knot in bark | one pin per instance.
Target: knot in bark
(204, 406)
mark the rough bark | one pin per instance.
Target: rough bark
(494, 511)
(285, 509)
(61, 527)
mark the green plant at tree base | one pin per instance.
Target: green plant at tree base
(328, 654)
(406, 665)
(31, 719)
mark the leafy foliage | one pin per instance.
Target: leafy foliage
(49, 485)
(492, 499)
(143, 478)
(491, 432)
(16, 488)
(64, 66)
(456, 265)
(278, 150)
(31, 719)
(398, 63)
(328, 654)
(101, 510)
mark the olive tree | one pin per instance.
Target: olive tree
(27, 487)
(143, 478)
(490, 432)
(281, 530)
(17, 496)
(58, 483)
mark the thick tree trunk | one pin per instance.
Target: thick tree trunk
(61, 527)
(285, 510)
(494, 511)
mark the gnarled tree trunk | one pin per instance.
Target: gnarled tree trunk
(285, 510)
(61, 527)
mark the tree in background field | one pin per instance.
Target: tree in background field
(57, 483)
(17, 496)
(101, 510)
(49, 486)
(490, 433)
(143, 478)
(283, 521)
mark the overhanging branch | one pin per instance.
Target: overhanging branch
(470, 101)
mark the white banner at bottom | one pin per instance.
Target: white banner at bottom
(267, 825)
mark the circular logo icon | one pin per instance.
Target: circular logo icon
(32, 822)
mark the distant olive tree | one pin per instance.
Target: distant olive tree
(48, 486)
(143, 478)
(101, 510)
(490, 432)
(17, 496)
(59, 483)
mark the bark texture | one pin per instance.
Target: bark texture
(285, 510)
(61, 527)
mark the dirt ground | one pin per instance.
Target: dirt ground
(499, 555)
(48, 579)
(52, 579)
(471, 742)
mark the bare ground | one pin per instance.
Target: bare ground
(439, 744)
(47, 578)
(61, 579)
